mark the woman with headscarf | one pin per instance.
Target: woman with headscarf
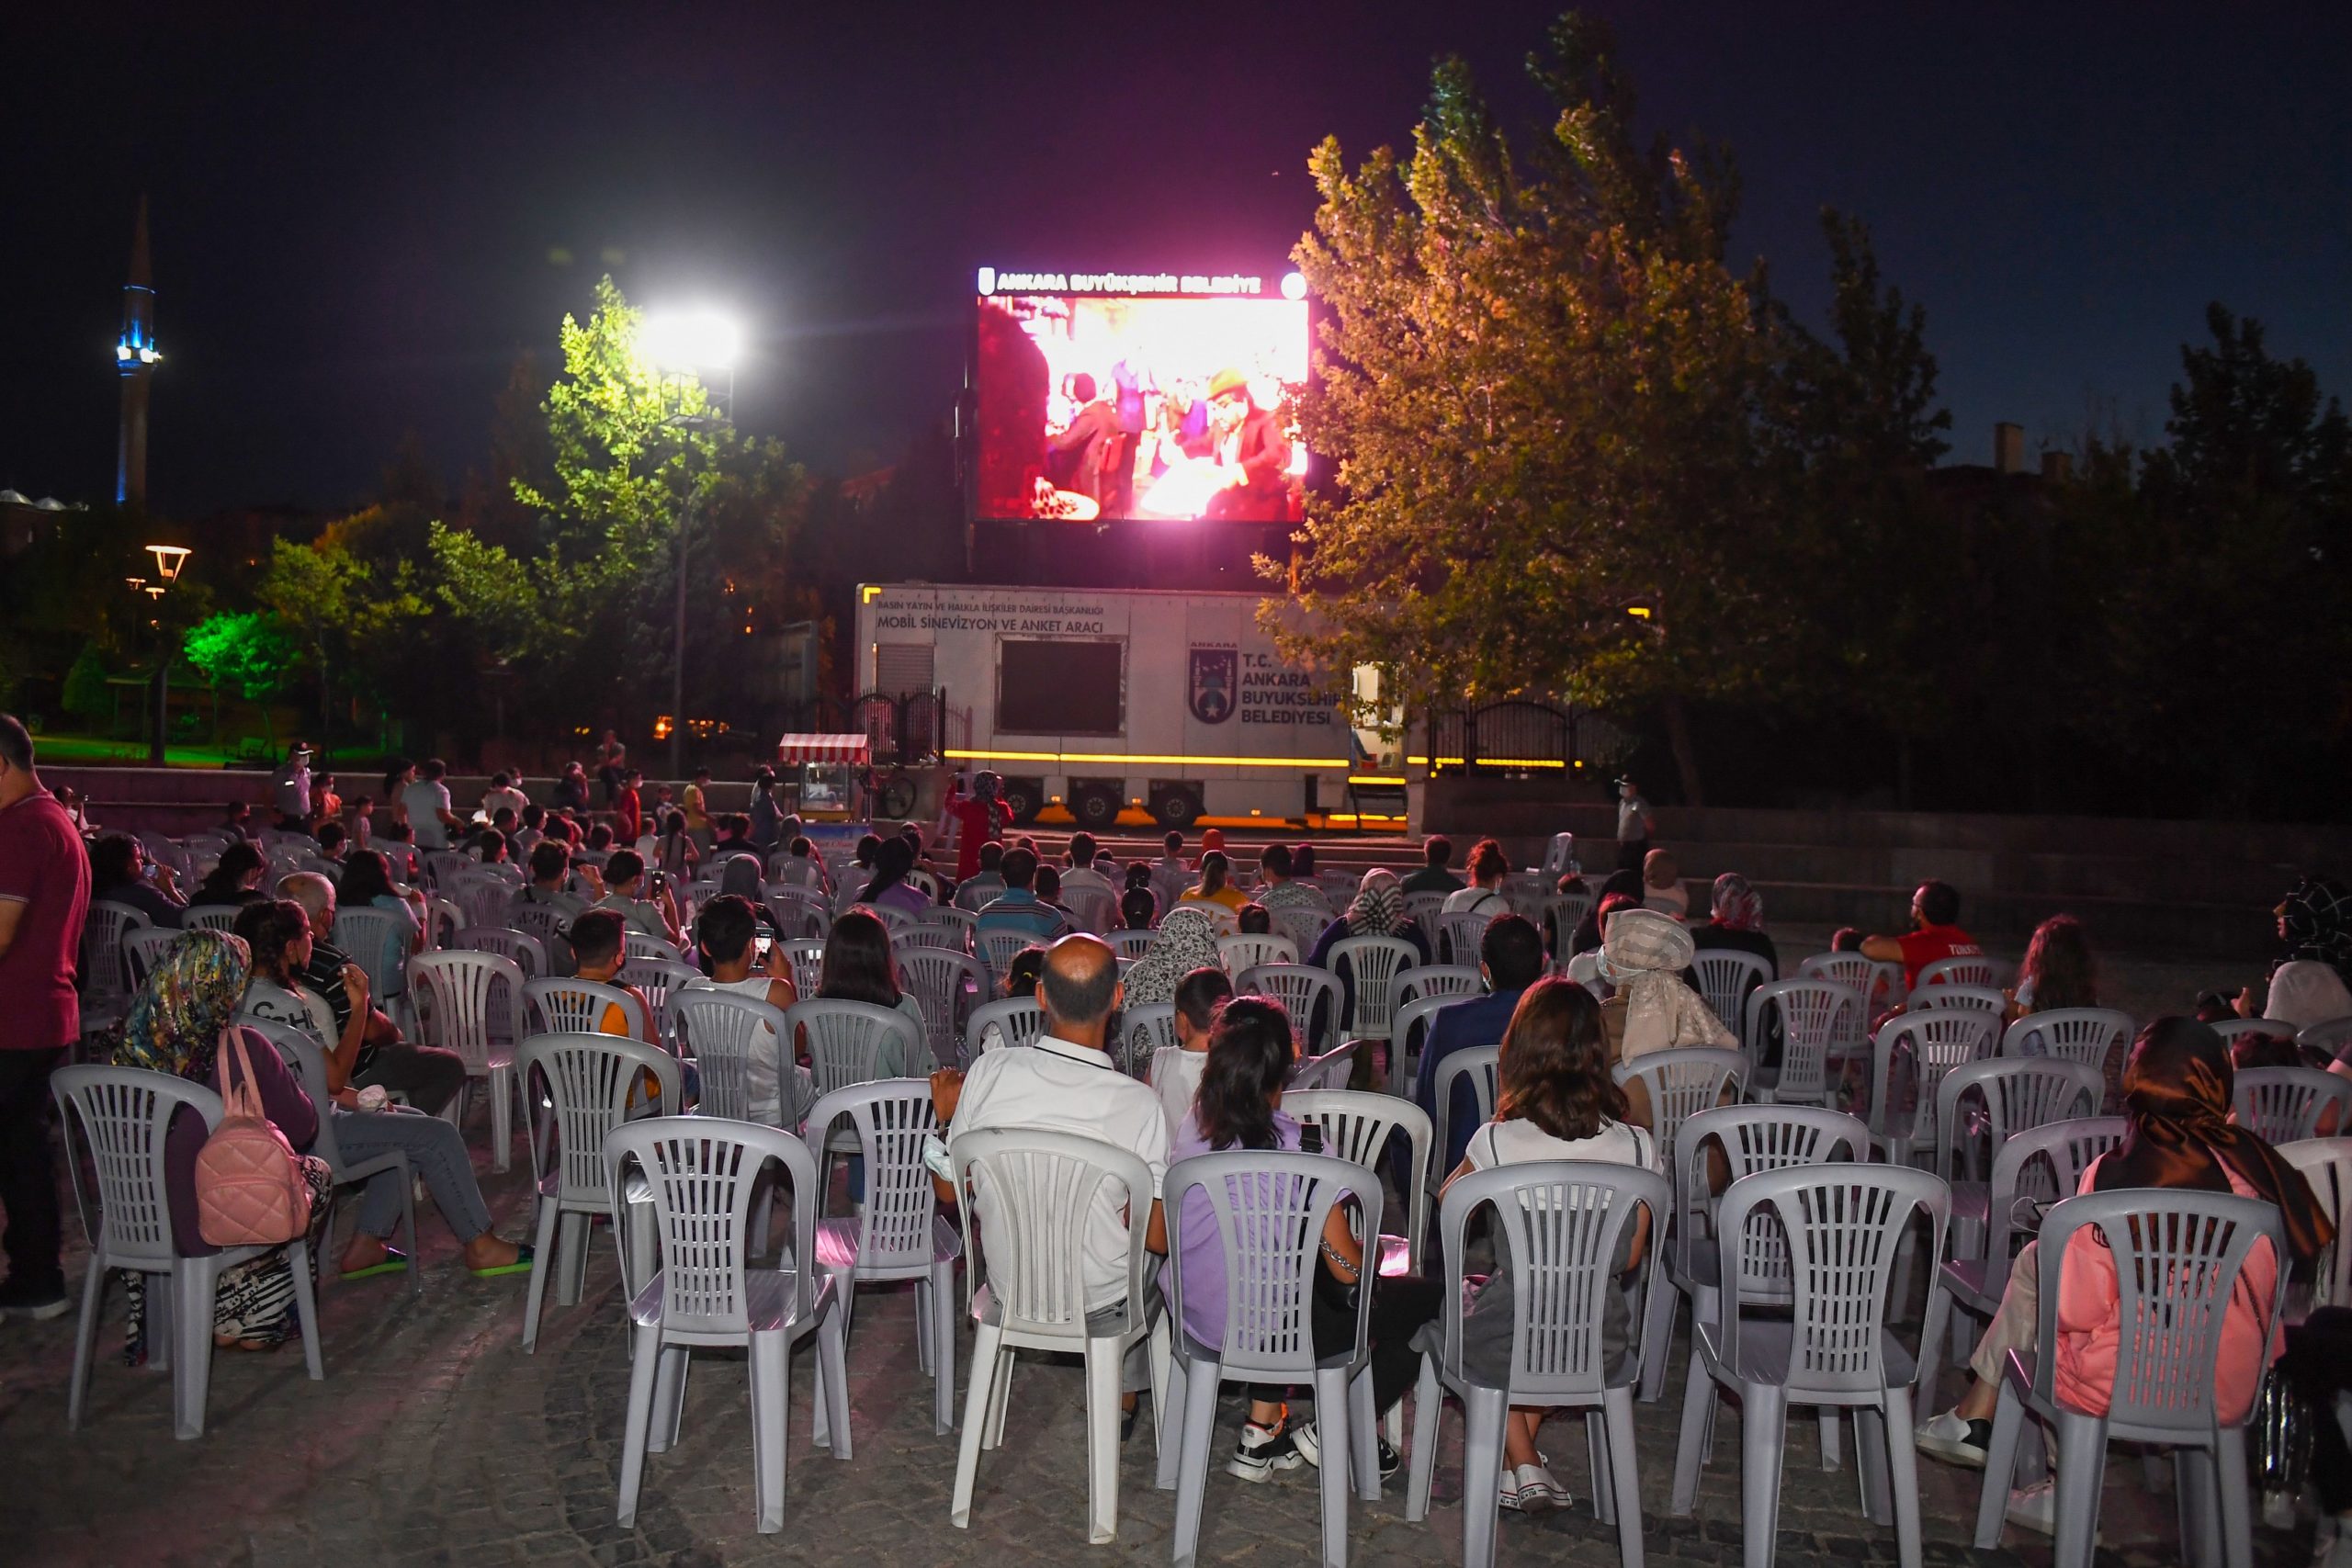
(1736, 921)
(1377, 909)
(1656, 1005)
(176, 1026)
(2176, 1091)
(2310, 981)
(1186, 942)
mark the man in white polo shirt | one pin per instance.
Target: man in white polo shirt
(1066, 1083)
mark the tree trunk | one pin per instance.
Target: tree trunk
(1686, 759)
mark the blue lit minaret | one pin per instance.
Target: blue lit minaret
(135, 358)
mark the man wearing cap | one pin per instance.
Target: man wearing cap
(291, 787)
(1634, 825)
(1261, 456)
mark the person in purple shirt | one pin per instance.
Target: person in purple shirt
(176, 1026)
(889, 888)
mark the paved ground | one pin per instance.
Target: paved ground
(435, 1439)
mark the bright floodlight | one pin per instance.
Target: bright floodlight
(1294, 286)
(690, 340)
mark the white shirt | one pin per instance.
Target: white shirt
(1520, 1141)
(1633, 818)
(762, 1072)
(1057, 1086)
(425, 799)
(1086, 879)
(1472, 898)
(510, 796)
(1176, 1076)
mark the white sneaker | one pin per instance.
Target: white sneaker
(1537, 1493)
(1954, 1438)
(2035, 1509)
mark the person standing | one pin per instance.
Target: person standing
(1635, 825)
(696, 803)
(291, 789)
(426, 802)
(980, 818)
(44, 895)
(628, 817)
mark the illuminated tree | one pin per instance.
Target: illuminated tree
(249, 653)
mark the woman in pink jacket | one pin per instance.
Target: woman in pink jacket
(2177, 1088)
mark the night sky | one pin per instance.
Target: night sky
(354, 208)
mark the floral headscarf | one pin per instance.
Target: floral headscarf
(2316, 920)
(1187, 940)
(1644, 954)
(1738, 905)
(190, 996)
(1379, 906)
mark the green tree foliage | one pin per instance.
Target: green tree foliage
(584, 612)
(86, 695)
(1539, 385)
(327, 596)
(249, 653)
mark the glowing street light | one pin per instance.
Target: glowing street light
(170, 559)
(690, 340)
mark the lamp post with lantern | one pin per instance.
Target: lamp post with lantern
(170, 561)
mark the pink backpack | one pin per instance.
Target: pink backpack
(249, 1186)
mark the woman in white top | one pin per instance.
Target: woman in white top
(278, 933)
(1488, 865)
(1556, 1101)
(725, 932)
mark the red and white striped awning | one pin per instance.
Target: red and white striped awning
(822, 748)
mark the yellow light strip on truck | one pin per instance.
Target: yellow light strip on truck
(1490, 762)
(1149, 759)
(1374, 779)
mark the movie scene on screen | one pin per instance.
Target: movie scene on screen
(1095, 406)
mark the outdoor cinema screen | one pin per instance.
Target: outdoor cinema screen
(1101, 405)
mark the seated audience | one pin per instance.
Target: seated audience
(1254, 920)
(1625, 884)
(600, 948)
(800, 866)
(1847, 939)
(1437, 855)
(334, 840)
(1662, 887)
(501, 795)
(1175, 1076)
(1489, 866)
(623, 896)
(859, 965)
(367, 883)
(236, 880)
(1656, 1006)
(237, 822)
(975, 891)
(1736, 920)
(727, 931)
(1556, 1101)
(1081, 880)
(1186, 941)
(1018, 908)
(1510, 957)
(1048, 888)
(550, 872)
(429, 1076)
(1214, 886)
(2177, 1090)
(888, 888)
(1137, 909)
(2308, 982)
(1935, 934)
(1277, 885)
(1378, 909)
(120, 873)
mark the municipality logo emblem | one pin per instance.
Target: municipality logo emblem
(1213, 683)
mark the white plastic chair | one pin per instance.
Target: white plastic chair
(1302, 923)
(799, 912)
(549, 927)
(701, 1173)
(898, 1232)
(1356, 1127)
(1330, 1070)
(1368, 968)
(2330, 1035)
(1268, 1210)
(846, 1039)
(1460, 935)
(564, 1005)
(1092, 909)
(1815, 1015)
(1238, 954)
(528, 953)
(1304, 991)
(1679, 1084)
(1878, 981)
(2229, 1029)
(942, 981)
(1423, 908)
(1840, 1225)
(1563, 913)
(1982, 998)
(1928, 1044)
(2285, 1105)
(1131, 944)
(807, 956)
(2177, 1255)
(483, 900)
(1726, 976)
(124, 1114)
(637, 944)
(1565, 1221)
(2327, 1164)
(474, 1000)
(1016, 1020)
(591, 1086)
(1482, 1065)
(302, 1054)
(1435, 980)
(443, 920)
(142, 946)
(1974, 969)
(106, 988)
(1408, 1030)
(1029, 1290)
(660, 979)
(2075, 1034)
(999, 948)
(2011, 1094)
(721, 1032)
(1145, 1030)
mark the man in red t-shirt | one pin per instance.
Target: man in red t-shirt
(44, 893)
(1935, 934)
(980, 816)
(628, 816)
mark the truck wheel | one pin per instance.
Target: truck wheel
(1177, 811)
(1023, 799)
(1094, 808)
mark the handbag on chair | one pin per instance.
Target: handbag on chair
(249, 1185)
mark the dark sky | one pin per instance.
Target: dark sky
(355, 207)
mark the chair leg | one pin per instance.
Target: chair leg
(86, 1338)
(1363, 1436)
(570, 1257)
(1332, 1426)
(2000, 1468)
(542, 1264)
(2082, 1471)
(980, 1399)
(770, 1406)
(1658, 1336)
(1691, 1444)
(1903, 1475)
(1870, 1463)
(161, 1341)
(669, 1399)
(922, 1325)
(306, 1302)
(1596, 1458)
(1617, 1422)
(941, 1327)
(2198, 1505)
(501, 1118)
(2236, 1499)
(1763, 1434)
(1485, 1412)
(1829, 1438)
(641, 1368)
(1190, 1451)
(1170, 1419)
(1159, 1359)
(1102, 1363)
(830, 1415)
(193, 1280)
(1429, 1405)
(1001, 1390)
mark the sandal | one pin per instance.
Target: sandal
(394, 1261)
(522, 1264)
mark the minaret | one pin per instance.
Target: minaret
(135, 358)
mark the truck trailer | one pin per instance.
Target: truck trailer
(1103, 700)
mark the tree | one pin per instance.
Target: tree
(1538, 385)
(249, 653)
(86, 695)
(323, 594)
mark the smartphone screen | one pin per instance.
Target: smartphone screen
(762, 944)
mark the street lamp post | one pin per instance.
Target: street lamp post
(170, 561)
(686, 341)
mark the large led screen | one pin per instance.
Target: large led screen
(1097, 406)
